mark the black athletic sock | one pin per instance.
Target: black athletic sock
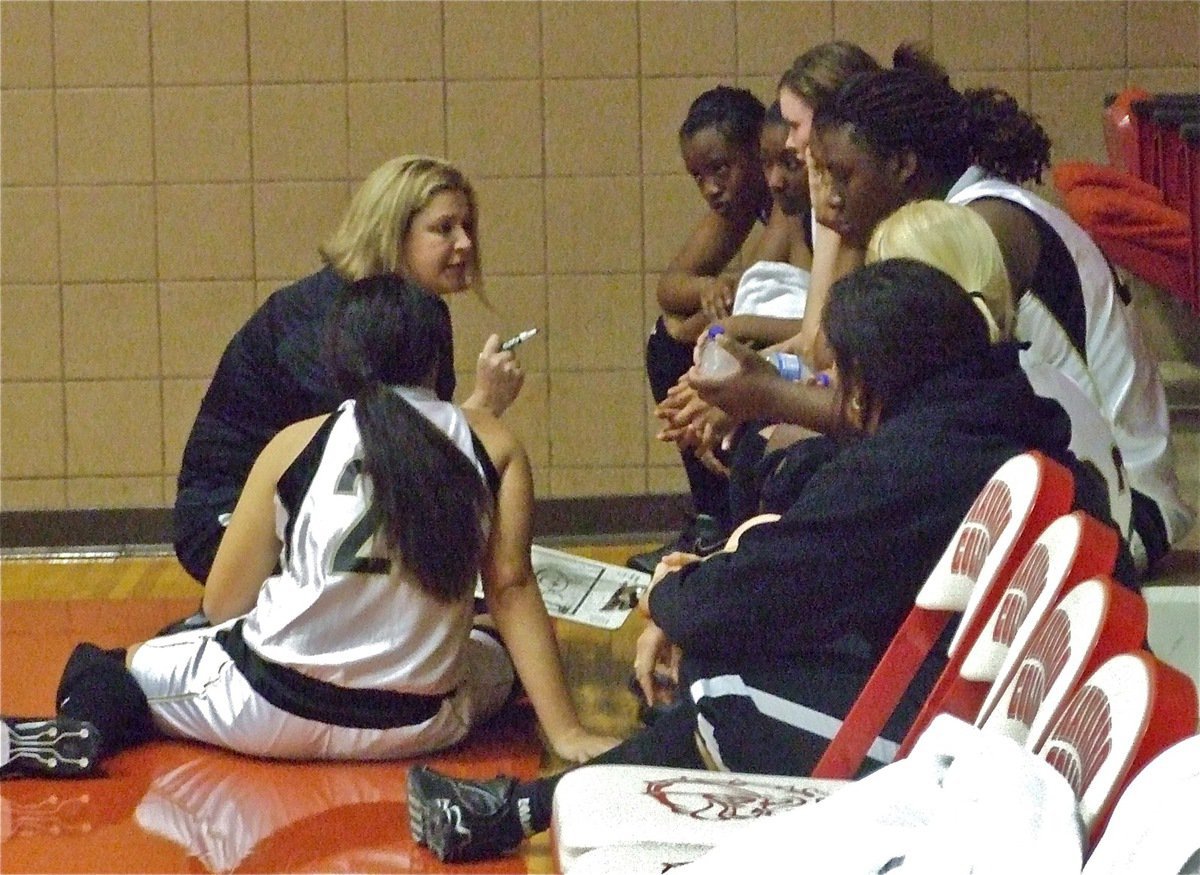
(671, 741)
(97, 687)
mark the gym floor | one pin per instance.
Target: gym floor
(181, 807)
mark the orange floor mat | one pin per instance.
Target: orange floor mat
(179, 807)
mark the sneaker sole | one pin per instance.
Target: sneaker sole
(53, 748)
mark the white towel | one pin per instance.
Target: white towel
(772, 288)
(1153, 827)
(962, 801)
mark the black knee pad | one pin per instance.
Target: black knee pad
(97, 687)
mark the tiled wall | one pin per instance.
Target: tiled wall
(166, 165)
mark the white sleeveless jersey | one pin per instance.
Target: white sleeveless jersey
(1113, 366)
(370, 630)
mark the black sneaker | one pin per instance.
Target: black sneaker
(703, 535)
(462, 820)
(58, 747)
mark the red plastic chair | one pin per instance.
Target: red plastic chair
(1121, 131)
(1020, 500)
(1072, 548)
(1093, 622)
(1126, 712)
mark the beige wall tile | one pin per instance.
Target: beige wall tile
(494, 128)
(594, 419)
(512, 225)
(663, 454)
(114, 428)
(1156, 79)
(202, 133)
(299, 131)
(584, 482)
(665, 104)
(589, 39)
(666, 480)
(771, 35)
(49, 494)
(1069, 104)
(881, 25)
(513, 303)
(107, 233)
(650, 308)
(297, 42)
(291, 219)
(1015, 82)
(205, 231)
(394, 118)
(30, 332)
(541, 483)
(492, 40)
(564, 114)
(198, 319)
(969, 35)
(263, 289)
(528, 417)
(114, 492)
(679, 38)
(1164, 33)
(394, 40)
(593, 224)
(595, 322)
(765, 88)
(27, 144)
(181, 403)
(28, 235)
(31, 430)
(101, 43)
(199, 42)
(104, 135)
(673, 208)
(110, 331)
(26, 45)
(1066, 35)
(592, 126)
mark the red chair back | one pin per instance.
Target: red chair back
(1024, 495)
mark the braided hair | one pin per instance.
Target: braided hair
(914, 107)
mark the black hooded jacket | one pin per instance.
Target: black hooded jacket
(863, 524)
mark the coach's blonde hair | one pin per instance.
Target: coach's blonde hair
(956, 240)
(370, 239)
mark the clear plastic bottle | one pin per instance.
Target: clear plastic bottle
(714, 361)
(790, 367)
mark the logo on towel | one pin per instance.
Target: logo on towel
(721, 798)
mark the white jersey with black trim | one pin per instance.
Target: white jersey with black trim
(363, 629)
(1114, 368)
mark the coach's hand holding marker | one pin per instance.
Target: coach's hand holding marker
(517, 340)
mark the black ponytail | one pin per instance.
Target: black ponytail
(429, 499)
(429, 502)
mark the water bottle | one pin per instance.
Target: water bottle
(714, 361)
(790, 367)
